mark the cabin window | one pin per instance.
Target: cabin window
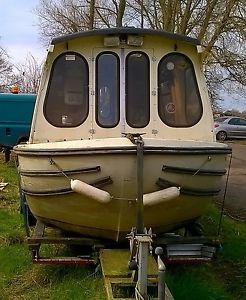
(179, 101)
(66, 103)
(107, 89)
(137, 89)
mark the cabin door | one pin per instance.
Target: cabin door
(121, 92)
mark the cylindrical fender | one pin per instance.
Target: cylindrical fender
(90, 191)
(160, 196)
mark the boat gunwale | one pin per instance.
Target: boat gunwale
(123, 150)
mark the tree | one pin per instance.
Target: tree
(218, 24)
(27, 75)
(5, 70)
(58, 17)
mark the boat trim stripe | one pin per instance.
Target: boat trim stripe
(195, 192)
(100, 182)
(48, 192)
(35, 173)
(181, 170)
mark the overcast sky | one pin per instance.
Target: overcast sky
(19, 36)
(19, 31)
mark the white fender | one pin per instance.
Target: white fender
(90, 191)
(161, 196)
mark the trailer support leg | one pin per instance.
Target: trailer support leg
(142, 260)
(161, 274)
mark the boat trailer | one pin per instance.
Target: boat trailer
(127, 275)
(135, 274)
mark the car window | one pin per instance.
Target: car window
(234, 121)
(242, 122)
(221, 119)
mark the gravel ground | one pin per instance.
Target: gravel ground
(235, 200)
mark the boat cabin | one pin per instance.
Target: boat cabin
(106, 83)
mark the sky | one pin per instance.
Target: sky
(19, 30)
(232, 101)
(19, 36)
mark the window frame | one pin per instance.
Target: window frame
(126, 87)
(117, 87)
(49, 84)
(196, 87)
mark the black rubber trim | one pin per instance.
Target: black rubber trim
(125, 150)
(59, 173)
(48, 192)
(195, 192)
(100, 182)
(191, 171)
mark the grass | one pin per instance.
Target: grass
(224, 278)
(189, 282)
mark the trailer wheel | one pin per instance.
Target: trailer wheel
(7, 152)
(195, 229)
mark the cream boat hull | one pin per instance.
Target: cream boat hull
(110, 164)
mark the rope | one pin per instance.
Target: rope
(203, 164)
(52, 162)
(137, 294)
(198, 170)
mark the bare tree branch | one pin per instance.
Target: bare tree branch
(218, 24)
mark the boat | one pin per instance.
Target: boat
(122, 117)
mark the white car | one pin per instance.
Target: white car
(230, 127)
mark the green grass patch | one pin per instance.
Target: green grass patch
(11, 228)
(195, 282)
(225, 277)
(232, 234)
(58, 282)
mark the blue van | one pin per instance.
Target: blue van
(16, 112)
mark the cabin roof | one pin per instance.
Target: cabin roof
(125, 30)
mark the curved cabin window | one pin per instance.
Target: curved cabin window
(107, 89)
(66, 103)
(179, 101)
(137, 90)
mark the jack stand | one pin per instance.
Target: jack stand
(139, 260)
(141, 250)
(161, 274)
(141, 279)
